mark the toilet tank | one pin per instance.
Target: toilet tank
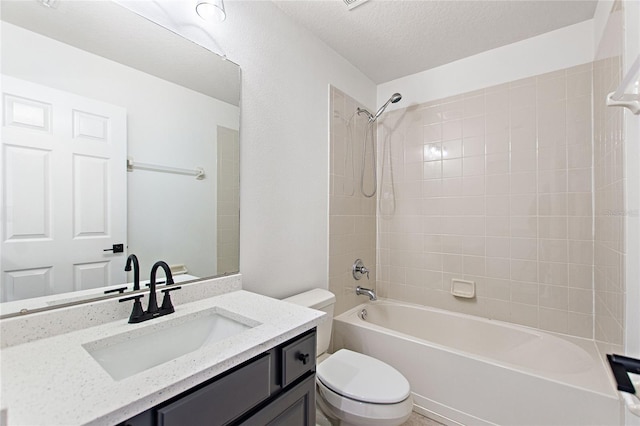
(322, 300)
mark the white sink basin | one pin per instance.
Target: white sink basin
(132, 352)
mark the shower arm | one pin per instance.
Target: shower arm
(364, 111)
(393, 99)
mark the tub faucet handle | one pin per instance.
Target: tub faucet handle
(358, 269)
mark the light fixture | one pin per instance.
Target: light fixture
(53, 4)
(211, 10)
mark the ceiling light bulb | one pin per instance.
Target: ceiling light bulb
(211, 10)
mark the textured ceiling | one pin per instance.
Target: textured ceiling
(388, 39)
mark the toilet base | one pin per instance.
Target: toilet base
(352, 412)
(322, 417)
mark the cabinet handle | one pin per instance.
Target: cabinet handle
(303, 357)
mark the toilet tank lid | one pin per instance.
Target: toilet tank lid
(317, 298)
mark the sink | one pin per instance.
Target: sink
(132, 352)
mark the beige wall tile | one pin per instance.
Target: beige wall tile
(524, 314)
(498, 247)
(524, 293)
(352, 217)
(556, 297)
(524, 270)
(522, 95)
(498, 268)
(580, 301)
(554, 320)
(552, 181)
(503, 196)
(523, 227)
(580, 325)
(555, 273)
(551, 89)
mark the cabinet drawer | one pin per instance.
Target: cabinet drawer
(223, 400)
(298, 357)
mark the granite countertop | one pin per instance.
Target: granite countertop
(55, 381)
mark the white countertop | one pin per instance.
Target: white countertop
(54, 381)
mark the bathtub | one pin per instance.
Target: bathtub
(473, 371)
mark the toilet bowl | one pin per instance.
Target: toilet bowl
(353, 388)
(360, 390)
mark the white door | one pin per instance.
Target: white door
(63, 191)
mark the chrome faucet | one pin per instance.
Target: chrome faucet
(136, 270)
(366, 291)
(138, 314)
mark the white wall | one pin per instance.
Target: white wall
(284, 145)
(161, 130)
(547, 52)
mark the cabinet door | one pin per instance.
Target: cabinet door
(296, 407)
(223, 400)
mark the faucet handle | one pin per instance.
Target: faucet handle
(364, 270)
(358, 269)
(116, 290)
(137, 311)
(167, 306)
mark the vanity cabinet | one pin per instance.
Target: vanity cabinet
(276, 387)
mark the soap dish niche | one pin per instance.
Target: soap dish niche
(463, 288)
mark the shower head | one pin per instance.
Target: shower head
(393, 99)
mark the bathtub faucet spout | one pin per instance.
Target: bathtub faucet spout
(369, 292)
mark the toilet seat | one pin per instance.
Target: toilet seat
(351, 412)
(362, 378)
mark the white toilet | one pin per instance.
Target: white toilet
(353, 388)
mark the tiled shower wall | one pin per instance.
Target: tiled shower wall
(494, 186)
(352, 216)
(609, 183)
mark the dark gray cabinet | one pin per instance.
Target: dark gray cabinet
(274, 388)
(222, 400)
(295, 407)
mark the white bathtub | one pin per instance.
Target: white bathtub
(469, 370)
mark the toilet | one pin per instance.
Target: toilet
(354, 388)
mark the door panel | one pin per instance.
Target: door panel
(91, 275)
(27, 283)
(90, 196)
(29, 113)
(91, 126)
(27, 182)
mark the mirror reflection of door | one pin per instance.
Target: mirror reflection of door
(63, 155)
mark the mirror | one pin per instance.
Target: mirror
(119, 137)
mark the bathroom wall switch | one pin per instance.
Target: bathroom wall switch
(463, 288)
